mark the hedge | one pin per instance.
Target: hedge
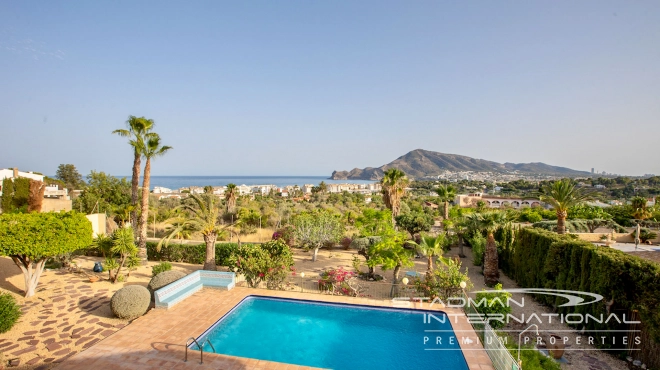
(188, 253)
(543, 259)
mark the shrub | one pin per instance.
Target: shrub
(130, 302)
(187, 253)
(270, 262)
(286, 234)
(478, 244)
(161, 267)
(9, 312)
(445, 281)
(496, 303)
(346, 242)
(336, 281)
(645, 235)
(162, 279)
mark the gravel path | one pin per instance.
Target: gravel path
(587, 357)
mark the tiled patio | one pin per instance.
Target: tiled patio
(156, 340)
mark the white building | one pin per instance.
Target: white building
(12, 173)
(161, 190)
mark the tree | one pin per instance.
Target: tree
(103, 193)
(314, 230)
(32, 238)
(208, 189)
(152, 149)
(201, 214)
(490, 222)
(562, 195)
(363, 246)
(123, 244)
(391, 255)
(394, 184)
(230, 197)
(139, 131)
(446, 194)
(430, 247)
(415, 222)
(374, 222)
(270, 262)
(70, 176)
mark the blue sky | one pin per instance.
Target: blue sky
(308, 87)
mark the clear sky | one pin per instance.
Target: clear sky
(308, 87)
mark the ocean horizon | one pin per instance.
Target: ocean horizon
(176, 182)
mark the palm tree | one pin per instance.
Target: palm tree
(489, 222)
(640, 210)
(152, 149)
(323, 187)
(139, 130)
(201, 215)
(230, 197)
(446, 194)
(562, 195)
(394, 183)
(430, 247)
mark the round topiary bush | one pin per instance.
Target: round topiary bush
(162, 279)
(130, 302)
(9, 312)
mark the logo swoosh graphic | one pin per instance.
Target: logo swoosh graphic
(573, 296)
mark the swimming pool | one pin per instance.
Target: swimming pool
(335, 336)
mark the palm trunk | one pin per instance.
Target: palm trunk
(429, 264)
(31, 272)
(142, 245)
(460, 246)
(209, 262)
(491, 268)
(561, 222)
(316, 252)
(446, 210)
(135, 183)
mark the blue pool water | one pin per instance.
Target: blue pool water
(335, 336)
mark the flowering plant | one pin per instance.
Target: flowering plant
(336, 281)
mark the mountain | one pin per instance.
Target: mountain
(421, 163)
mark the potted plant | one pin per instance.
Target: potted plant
(93, 278)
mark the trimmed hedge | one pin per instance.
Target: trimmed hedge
(130, 302)
(543, 259)
(187, 253)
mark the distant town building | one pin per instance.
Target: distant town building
(471, 200)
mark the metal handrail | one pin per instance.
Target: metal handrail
(201, 349)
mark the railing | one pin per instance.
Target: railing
(498, 353)
(201, 349)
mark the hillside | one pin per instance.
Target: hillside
(421, 163)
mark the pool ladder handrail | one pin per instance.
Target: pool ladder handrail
(201, 349)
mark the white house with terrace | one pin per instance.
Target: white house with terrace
(472, 199)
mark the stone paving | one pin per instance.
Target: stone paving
(156, 340)
(75, 318)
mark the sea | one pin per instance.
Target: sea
(176, 182)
